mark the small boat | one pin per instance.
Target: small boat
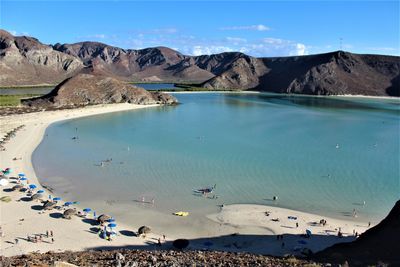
(206, 190)
(181, 213)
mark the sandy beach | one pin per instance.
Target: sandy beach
(240, 227)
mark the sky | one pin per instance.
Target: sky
(258, 28)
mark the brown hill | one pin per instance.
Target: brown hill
(325, 74)
(378, 244)
(24, 60)
(86, 89)
(150, 64)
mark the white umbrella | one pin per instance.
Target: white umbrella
(3, 182)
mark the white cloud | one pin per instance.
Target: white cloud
(386, 49)
(96, 36)
(236, 40)
(164, 31)
(198, 50)
(259, 27)
(15, 33)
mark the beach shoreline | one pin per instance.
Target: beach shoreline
(249, 221)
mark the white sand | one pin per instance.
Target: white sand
(257, 232)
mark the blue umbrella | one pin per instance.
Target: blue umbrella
(111, 220)
(111, 225)
(40, 191)
(23, 179)
(68, 203)
(32, 186)
(75, 202)
(21, 174)
(87, 210)
(57, 198)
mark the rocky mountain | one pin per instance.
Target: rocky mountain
(378, 244)
(324, 74)
(87, 89)
(26, 61)
(150, 64)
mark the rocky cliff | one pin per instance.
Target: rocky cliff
(325, 74)
(26, 61)
(86, 89)
(378, 244)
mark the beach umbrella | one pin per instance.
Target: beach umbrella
(32, 186)
(111, 220)
(49, 205)
(40, 191)
(181, 243)
(23, 179)
(18, 186)
(144, 230)
(68, 203)
(36, 196)
(87, 210)
(57, 199)
(3, 182)
(103, 218)
(112, 225)
(21, 174)
(68, 213)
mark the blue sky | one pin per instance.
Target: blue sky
(259, 28)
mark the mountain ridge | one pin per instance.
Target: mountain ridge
(26, 61)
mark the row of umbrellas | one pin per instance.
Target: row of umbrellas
(69, 212)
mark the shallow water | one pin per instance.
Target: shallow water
(317, 154)
(156, 86)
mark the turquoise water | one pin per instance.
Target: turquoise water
(156, 86)
(253, 146)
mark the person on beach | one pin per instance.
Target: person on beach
(51, 233)
(369, 224)
(47, 233)
(159, 242)
(16, 241)
(163, 237)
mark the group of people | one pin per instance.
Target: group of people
(39, 237)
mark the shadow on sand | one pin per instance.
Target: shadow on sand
(261, 244)
(56, 215)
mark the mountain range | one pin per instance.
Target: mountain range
(26, 61)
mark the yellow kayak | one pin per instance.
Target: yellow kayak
(181, 213)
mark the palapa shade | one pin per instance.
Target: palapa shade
(103, 218)
(144, 230)
(68, 213)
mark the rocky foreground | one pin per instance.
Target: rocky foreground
(153, 258)
(86, 89)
